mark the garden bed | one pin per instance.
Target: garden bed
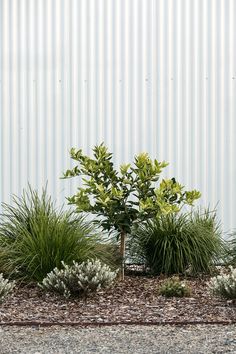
(135, 300)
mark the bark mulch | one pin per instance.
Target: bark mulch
(135, 300)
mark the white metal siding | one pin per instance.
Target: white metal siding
(140, 75)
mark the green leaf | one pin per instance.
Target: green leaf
(128, 195)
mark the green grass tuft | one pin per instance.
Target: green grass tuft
(174, 243)
(35, 237)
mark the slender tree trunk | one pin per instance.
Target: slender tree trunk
(122, 253)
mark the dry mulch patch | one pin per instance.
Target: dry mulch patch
(135, 300)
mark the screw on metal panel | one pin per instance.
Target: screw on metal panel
(233, 78)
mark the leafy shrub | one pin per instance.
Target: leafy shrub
(79, 278)
(35, 237)
(174, 287)
(173, 243)
(124, 196)
(224, 285)
(6, 288)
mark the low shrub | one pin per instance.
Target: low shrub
(224, 285)
(174, 287)
(79, 278)
(35, 237)
(6, 287)
(173, 243)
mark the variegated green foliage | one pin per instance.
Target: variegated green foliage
(128, 195)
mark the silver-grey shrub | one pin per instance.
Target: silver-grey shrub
(79, 278)
(6, 287)
(224, 285)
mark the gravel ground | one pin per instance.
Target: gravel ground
(119, 339)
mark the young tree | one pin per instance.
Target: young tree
(122, 198)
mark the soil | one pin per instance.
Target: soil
(135, 300)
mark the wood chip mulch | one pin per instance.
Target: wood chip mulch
(135, 300)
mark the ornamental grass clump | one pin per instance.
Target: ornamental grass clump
(6, 287)
(35, 237)
(79, 279)
(176, 243)
(174, 288)
(224, 285)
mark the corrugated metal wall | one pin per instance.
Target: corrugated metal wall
(140, 75)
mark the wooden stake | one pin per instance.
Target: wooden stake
(122, 253)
